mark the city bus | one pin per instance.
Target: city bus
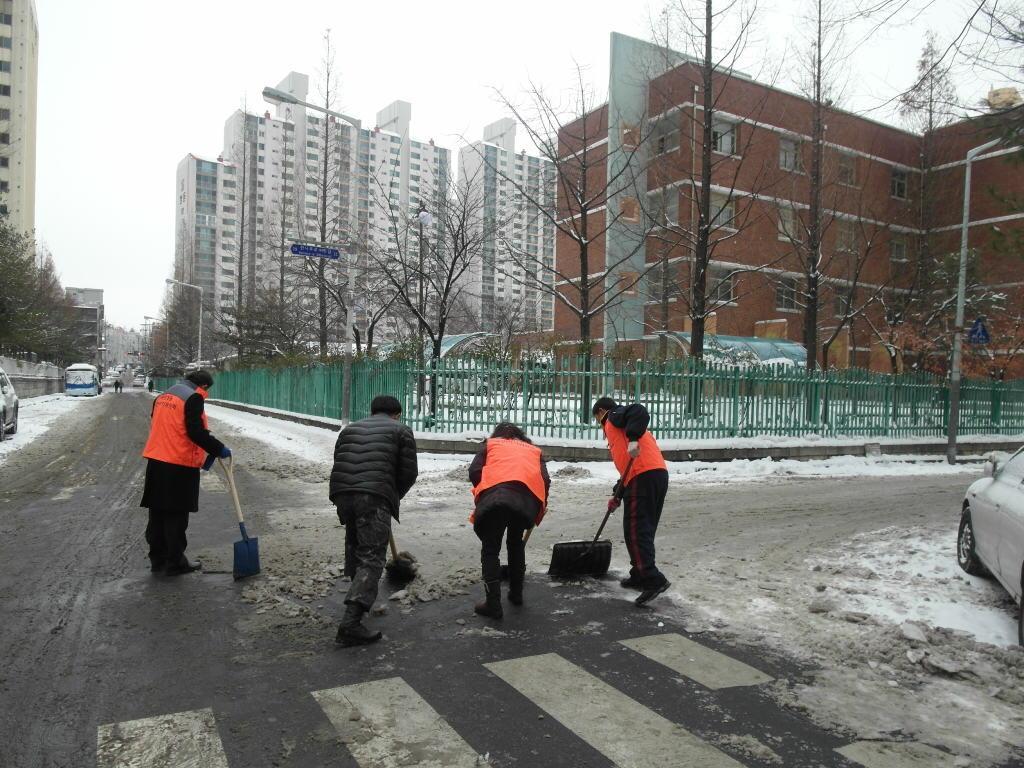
(81, 379)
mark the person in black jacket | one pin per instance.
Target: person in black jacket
(374, 467)
(510, 485)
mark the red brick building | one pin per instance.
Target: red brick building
(884, 216)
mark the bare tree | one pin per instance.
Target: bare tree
(721, 206)
(586, 179)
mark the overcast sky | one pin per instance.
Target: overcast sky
(127, 88)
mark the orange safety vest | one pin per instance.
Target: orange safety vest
(511, 460)
(618, 444)
(168, 441)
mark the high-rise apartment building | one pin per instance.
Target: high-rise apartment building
(87, 304)
(19, 56)
(519, 242)
(238, 216)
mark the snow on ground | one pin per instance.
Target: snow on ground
(35, 415)
(315, 444)
(914, 576)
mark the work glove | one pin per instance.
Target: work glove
(617, 489)
(210, 458)
(634, 448)
(225, 453)
(613, 503)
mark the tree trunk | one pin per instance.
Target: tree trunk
(813, 248)
(702, 255)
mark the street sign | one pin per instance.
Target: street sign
(978, 333)
(320, 251)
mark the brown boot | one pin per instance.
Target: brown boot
(491, 607)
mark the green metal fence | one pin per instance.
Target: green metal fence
(687, 399)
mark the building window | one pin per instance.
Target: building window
(666, 137)
(898, 185)
(630, 209)
(5, 138)
(6, 18)
(5, 66)
(723, 137)
(5, 114)
(664, 207)
(843, 305)
(789, 155)
(723, 210)
(5, 90)
(785, 294)
(846, 236)
(847, 170)
(788, 225)
(5, 42)
(898, 250)
(720, 286)
(5, 186)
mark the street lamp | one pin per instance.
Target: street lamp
(276, 96)
(199, 353)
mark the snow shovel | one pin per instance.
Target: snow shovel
(402, 565)
(247, 551)
(588, 558)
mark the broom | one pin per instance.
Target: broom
(402, 565)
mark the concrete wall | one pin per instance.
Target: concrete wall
(33, 379)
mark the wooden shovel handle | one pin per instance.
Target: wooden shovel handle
(228, 473)
(394, 549)
(526, 536)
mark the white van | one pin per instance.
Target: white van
(81, 379)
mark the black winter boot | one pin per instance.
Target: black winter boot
(351, 630)
(515, 586)
(491, 607)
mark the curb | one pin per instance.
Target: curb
(585, 453)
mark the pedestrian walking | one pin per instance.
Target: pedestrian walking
(117, 386)
(510, 489)
(374, 467)
(644, 485)
(149, 385)
(179, 444)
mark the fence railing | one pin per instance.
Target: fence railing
(687, 399)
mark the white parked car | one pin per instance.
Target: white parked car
(8, 407)
(991, 536)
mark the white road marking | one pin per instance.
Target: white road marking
(710, 668)
(619, 727)
(892, 754)
(179, 740)
(385, 723)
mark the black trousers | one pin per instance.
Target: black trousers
(642, 504)
(165, 535)
(490, 528)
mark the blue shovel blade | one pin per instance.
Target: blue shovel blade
(247, 557)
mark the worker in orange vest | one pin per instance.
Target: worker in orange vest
(179, 444)
(510, 487)
(644, 483)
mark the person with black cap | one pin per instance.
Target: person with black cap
(179, 444)
(644, 483)
(374, 467)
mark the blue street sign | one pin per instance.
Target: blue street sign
(978, 333)
(301, 249)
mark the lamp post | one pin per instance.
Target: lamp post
(961, 291)
(425, 219)
(199, 352)
(276, 96)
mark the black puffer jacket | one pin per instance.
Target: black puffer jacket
(375, 455)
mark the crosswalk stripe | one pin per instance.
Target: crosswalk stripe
(182, 740)
(386, 723)
(621, 728)
(710, 668)
(893, 754)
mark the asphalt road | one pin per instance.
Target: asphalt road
(108, 665)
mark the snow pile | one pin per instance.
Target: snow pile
(900, 576)
(35, 415)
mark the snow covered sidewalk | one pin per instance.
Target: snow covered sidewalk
(35, 416)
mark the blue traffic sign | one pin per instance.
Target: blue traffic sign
(978, 333)
(301, 249)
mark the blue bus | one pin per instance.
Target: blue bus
(81, 379)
